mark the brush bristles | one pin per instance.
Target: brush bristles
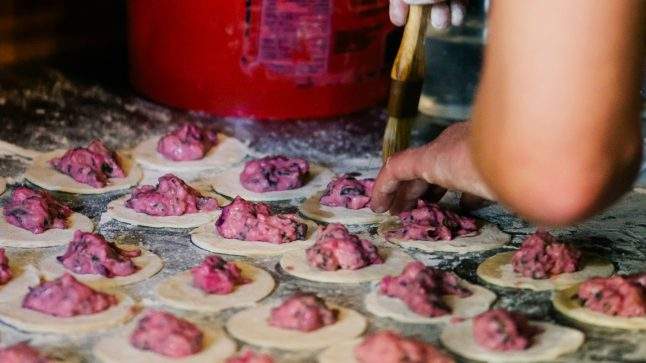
(396, 136)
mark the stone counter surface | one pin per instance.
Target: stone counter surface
(43, 109)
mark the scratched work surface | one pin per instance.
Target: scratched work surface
(43, 109)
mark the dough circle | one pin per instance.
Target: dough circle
(467, 307)
(23, 277)
(311, 208)
(118, 210)
(567, 303)
(295, 263)
(208, 238)
(498, 270)
(178, 291)
(227, 152)
(553, 342)
(12, 313)
(228, 184)
(148, 263)
(45, 176)
(489, 237)
(12, 236)
(340, 353)
(251, 327)
(217, 346)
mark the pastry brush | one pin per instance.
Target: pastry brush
(407, 78)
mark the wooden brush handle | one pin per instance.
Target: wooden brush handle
(409, 68)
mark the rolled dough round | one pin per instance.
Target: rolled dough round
(567, 303)
(340, 353)
(489, 237)
(217, 346)
(311, 208)
(12, 236)
(178, 291)
(227, 152)
(295, 263)
(228, 184)
(208, 238)
(12, 313)
(45, 176)
(24, 276)
(553, 342)
(467, 307)
(498, 270)
(251, 327)
(148, 263)
(118, 210)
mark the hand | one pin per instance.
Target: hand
(444, 13)
(429, 170)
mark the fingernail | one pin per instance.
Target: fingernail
(397, 12)
(457, 14)
(440, 15)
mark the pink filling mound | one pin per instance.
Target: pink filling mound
(422, 287)
(430, 222)
(503, 330)
(389, 347)
(249, 356)
(217, 276)
(349, 192)
(248, 221)
(303, 312)
(336, 248)
(35, 210)
(541, 256)
(66, 297)
(92, 165)
(187, 142)
(21, 353)
(90, 253)
(171, 197)
(274, 173)
(165, 334)
(5, 271)
(617, 295)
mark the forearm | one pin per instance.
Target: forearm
(556, 132)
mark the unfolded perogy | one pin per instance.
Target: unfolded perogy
(35, 210)
(249, 356)
(187, 142)
(92, 165)
(422, 287)
(90, 253)
(336, 248)
(249, 221)
(617, 295)
(503, 330)
(431, 222)
(171, 197)
(163, 333)
(274, 173)
(541, 256)
(22, 353)
(348, 192)
(302, 312)
(217, 276)
(389, 347)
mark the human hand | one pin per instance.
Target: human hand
(444, 13)
(429, 170)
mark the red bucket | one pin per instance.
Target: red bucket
(266, 59)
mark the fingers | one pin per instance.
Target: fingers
(398, 12)
(399, 168)
(470, 202)
(441, 16)
(458, 11)
(407, 195)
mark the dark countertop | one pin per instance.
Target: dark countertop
(44, 108)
